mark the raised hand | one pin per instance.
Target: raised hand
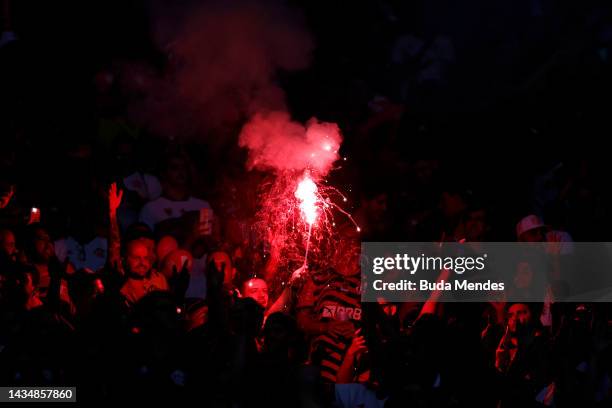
(5, 197)
(503, 356)
(358, 344)
(298, 276)
(179, 282)
(214, 276)
(114, 197)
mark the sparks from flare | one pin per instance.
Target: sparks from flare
(292, 204)
(314, 198)
(297, 215)
(306, 192)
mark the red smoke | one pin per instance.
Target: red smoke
(223, 62)
(221, 72)
(278, 144)
(296, 207)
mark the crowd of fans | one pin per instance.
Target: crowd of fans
(129, 267)
(162, 298)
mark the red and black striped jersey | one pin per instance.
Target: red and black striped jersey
(331, 296)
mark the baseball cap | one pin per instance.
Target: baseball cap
(529, 223)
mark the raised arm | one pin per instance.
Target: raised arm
(114, 237)
(283, 303)
(430, 305)
(346, 372)
(271, 265)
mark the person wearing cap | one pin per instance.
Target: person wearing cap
(532, 229)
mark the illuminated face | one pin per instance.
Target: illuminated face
(138, 258)
(518, 314)
(165, 245)
(150, 244)
(43, 245)
(7, 242)
(257, 289)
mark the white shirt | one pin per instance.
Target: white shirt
(146, 185)
(560, 242)
(197, 279)
(91, 255)
(162, 209)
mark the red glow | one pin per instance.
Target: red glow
(297, 208)
(278, 144)
(297, 216)
(99, 285)
(307, 194)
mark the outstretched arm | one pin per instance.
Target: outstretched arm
(284, 300)
(271, 265)
(430, 305)
(114, 237)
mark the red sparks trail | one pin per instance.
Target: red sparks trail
(307, 194)
(296, 207)
(299, 213)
